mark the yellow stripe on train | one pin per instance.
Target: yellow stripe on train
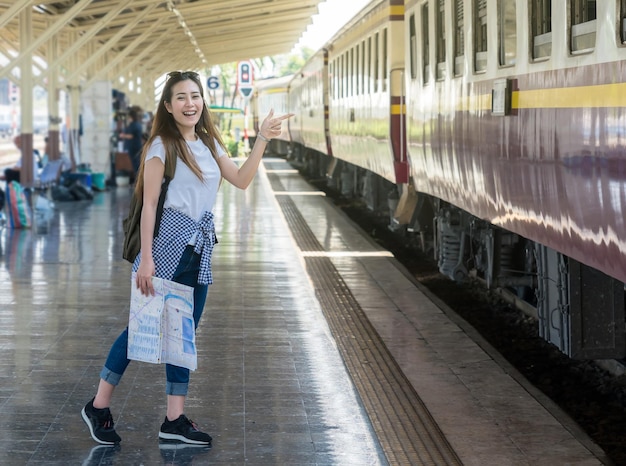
(396, 10)
(603, 95)
(599, 96)
(398, 109)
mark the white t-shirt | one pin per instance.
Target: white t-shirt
(186, 193)
(18, 164)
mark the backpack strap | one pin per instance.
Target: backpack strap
(170, 167)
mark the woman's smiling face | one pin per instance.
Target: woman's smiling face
(186, 105)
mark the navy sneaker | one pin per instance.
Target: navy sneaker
(184, 430)
(100, 423)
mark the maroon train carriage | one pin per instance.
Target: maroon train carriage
(515, 120)
(515, 128)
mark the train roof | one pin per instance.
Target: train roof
(271, 83)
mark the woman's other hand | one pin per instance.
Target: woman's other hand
(143, 278)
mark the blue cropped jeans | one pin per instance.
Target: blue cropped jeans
(177, 377)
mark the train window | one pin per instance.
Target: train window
(385, 60)
(507, 32)
(425, 43)
(583, 14)
(363, 66)
(353, 68)
(346, 74)
(376, 62)
(335, 76)
(541, 28)
(331, 78)
(351, 73)
(369, 64)
(480, 35)
(342, 76)
(440, 34)
(459, 37)
(622, 17)
(413, 47)
(357, 69)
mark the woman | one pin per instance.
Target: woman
(182, 133)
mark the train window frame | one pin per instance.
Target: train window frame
(332, 80)
(621, 27)
(347, 74)
(357, 64)
(376, 62)
(440, 39)
(505, 27)
(481, 42)
(357, 68)
(459, 37)
(583, 24)
(413, 47)
(385, 60)
(369, 64)
(338, 76)
(351, 90)
(342, 76)
(425, 43)
(540, 24)
(363, 66)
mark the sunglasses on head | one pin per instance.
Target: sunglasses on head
(183, 74)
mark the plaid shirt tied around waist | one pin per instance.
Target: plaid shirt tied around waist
(175, 232)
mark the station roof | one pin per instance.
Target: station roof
(106, 37)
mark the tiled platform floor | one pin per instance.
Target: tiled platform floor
(271, 387)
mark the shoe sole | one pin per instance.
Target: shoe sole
(83, 414)
(182, 438)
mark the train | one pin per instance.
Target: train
(493, 134)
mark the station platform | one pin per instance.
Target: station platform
(316, 347)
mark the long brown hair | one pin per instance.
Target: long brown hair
(164, 125)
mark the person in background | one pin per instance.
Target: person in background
(133, 137)
(13, 173)
(183, 133)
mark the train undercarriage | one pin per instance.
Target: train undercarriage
(578, 309)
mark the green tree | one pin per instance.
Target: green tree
(295, 61)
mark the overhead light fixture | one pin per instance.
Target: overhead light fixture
(171, 7)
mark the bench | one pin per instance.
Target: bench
(50, 174)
